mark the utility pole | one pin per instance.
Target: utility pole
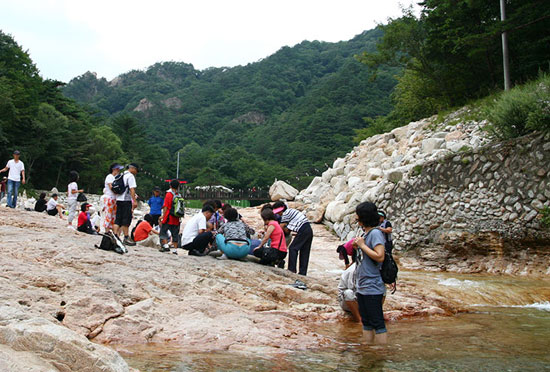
(178, 168)
(505, 59)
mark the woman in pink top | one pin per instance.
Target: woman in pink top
(275, 254)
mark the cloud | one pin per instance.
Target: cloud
(67, 37)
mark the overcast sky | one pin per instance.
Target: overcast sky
(66, 38)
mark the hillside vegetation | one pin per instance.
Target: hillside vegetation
(282, 117)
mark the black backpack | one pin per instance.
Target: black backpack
(389, 269)
(111, 242)
(118, 186)
(81, 198)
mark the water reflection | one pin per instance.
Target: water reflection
(506, 328)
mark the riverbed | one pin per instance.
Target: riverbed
(504, 325)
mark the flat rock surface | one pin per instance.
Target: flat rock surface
(52, 272)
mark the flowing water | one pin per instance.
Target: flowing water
(506, 327)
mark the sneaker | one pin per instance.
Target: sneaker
(194, 252)
(223, 257)
(165, 248)
(175, 252)
(70, 227)
(129, 241)
(281, 264)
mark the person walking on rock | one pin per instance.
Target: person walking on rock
(295, 221)
(16, 176)
(125, 204)
(109, 197)
(370, 286)
(72, 194)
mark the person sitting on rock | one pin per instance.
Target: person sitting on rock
(233, 236)
(370, 286)
(196, 236)
(295, 221)
(272, 250)
(347, 249)
(40, 205)
(346, 292)
(144, 233)
(386, 228)
(53, 208)
(84, 222)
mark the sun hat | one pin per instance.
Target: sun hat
(278, 210)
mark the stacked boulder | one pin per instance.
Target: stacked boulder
(436, 178)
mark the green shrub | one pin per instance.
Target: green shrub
(417, 170)
(545, 220)
(522, 110)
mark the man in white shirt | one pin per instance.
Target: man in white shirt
(125, 204)
(196, 237)
(54, 209)
(16, 176)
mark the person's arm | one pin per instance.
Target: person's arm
(284, 227)
(377, 254)
(5, 169)
(133, 195)
(387, 230)
(267, 235)
(154, 231)
(23, 177)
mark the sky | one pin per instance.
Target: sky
(66, 38)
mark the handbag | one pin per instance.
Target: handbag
(270, 254)
(81, 198)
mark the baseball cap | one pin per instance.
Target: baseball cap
(133, 165)
(17, 152)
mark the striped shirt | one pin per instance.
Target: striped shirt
(294, 219)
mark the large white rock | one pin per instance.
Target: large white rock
(282, 190)
(335, 211)
(373, 174)
(353, 181)
(431, 144)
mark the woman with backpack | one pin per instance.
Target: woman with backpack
(370, 286)
(109, 197)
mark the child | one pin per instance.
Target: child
(84, 223)
(145, 235)
(233, 236)
(72, 193)
(347, 249)
(370, 287)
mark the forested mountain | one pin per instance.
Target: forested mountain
(282, 117)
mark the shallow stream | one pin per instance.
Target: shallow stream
(506, 327)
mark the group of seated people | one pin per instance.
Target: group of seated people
(53, 208)
(220, 227)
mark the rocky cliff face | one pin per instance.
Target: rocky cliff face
(458, 201)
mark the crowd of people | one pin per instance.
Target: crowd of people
(287, 234)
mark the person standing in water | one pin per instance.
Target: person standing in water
(370, 288)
